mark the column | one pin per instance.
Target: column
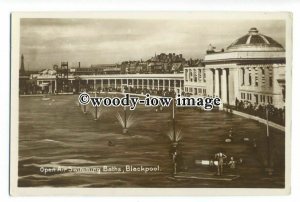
(102, 84)
(95, 84)
(180, 84)
(233, 87)
(224, 86)
(152, 83)
(164, 87)
(55, 85)
(108, 82)
(158, 84)
(50, 87)
(115, 83)
(142, 83)
(169, 84)
(217, 83)
(210, 82)
(148, 86)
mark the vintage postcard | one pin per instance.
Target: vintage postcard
(150, 103)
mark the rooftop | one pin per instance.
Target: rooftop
(254, 41)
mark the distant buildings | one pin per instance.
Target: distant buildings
(251, 69)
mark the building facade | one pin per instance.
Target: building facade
(251, 69)
(195, 81)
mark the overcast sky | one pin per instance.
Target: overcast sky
(45, 42)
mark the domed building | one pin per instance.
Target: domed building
(254, 41)
(251, 69)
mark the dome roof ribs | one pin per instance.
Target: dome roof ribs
(254, 41)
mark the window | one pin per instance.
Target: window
(195, 75)
(256, 81)
(199, 75)
(243, 96)
(263, 80)
(243, 77)
(270, 99)
(271, 81)
(256, 98)
(250, 79)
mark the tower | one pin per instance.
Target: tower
(22, 68)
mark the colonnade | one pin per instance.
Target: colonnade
(139, 83)
(143, 83)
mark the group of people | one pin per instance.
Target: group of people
(221, 162)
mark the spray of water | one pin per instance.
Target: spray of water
(129, 120)
(84, 108)
(100, 112)
(178, 135)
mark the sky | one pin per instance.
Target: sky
(45, 42)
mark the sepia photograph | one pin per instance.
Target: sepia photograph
(106, 103)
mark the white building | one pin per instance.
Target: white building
(251, 69)
(195, 81)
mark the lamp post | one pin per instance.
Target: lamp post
(125, 130)
(174, 129)
(269, 168)
(174, 142)
(96, 108)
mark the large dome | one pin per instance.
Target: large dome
(254, 41)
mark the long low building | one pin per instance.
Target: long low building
(171, 82)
